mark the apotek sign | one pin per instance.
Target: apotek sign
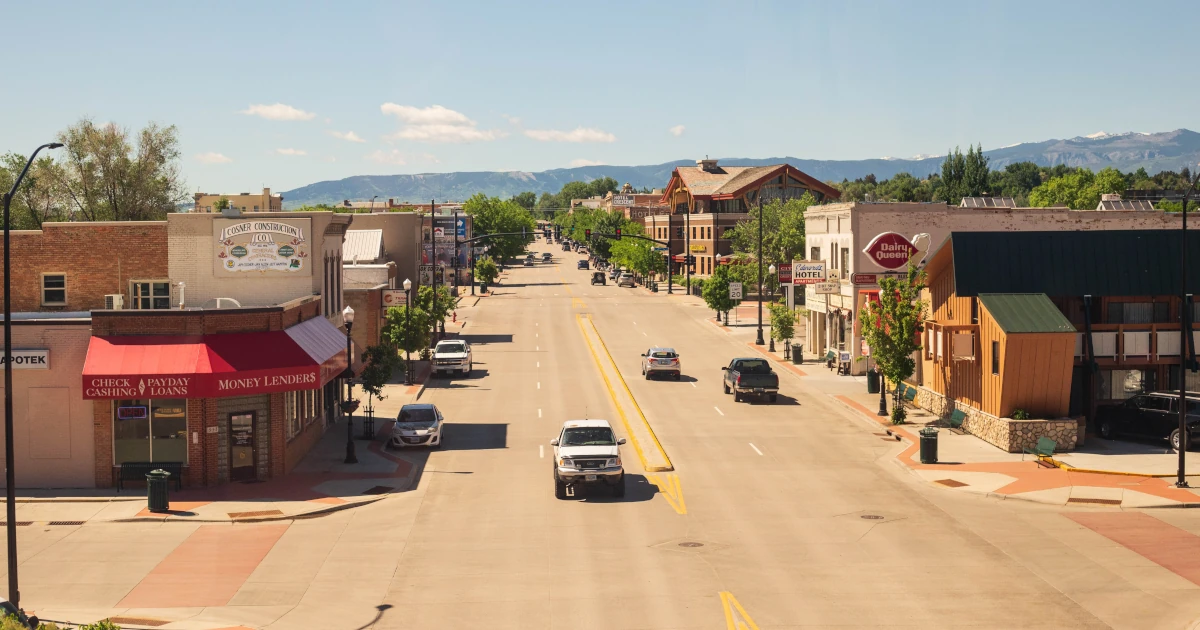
(808, 271)
(29, 360)
(890, 250)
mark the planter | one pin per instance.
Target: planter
(350, 406)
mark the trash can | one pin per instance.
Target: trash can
(872, 382)
(156, 491)
(483, 287)
(929, 437)
(797, 353)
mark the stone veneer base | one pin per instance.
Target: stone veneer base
(1003, 433)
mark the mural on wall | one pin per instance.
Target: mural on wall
(274, 247)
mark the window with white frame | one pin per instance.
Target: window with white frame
(151, 294)
(291, 415)
(54, 289)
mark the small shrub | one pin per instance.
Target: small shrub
(1020, 414)
(103, 624)
(899, 414)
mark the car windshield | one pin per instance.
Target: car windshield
(422, 417)
(588, 436)
(451, 347)
(663, 354)
(753, 366)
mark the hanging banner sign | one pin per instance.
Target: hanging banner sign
(785, 273)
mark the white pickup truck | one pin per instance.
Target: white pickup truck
(586, 453)
(451, 357)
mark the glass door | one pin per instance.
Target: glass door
(241, 447)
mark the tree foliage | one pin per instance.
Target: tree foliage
(635, 253)
(891, 327)
(495, 216)
(783, 321)
(406, 328)
(1079, 189)
(380, 361)
(446, 303)
(716, 290)
(486, 270)
(576, 224)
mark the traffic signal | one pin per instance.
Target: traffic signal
(587, 234)
(618, 232)
(679, 232)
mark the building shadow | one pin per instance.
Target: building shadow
(457, 436)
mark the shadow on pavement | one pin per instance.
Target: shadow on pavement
(486, 339)
(472, 437)
(781, 399)
(637, 490)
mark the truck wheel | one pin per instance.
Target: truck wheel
(737, 397)
(619, 488)
(560, 489)
(725, 387)
(773, 397)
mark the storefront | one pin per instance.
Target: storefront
(230, 394)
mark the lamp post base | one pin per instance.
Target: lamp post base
(771, 347)
(883, 412)
(758, 341)
(1182, 484)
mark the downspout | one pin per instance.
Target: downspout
(1090, 358)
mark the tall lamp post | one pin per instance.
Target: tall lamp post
(758, 341)
(407, 331)
(348, 406)
(1184, 329)
(10, 477)
(770, 270)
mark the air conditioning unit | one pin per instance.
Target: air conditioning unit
(114, 302)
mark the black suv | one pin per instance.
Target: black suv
(583, 264)
(1154, 415)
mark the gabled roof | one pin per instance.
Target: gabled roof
(362, 246)
(728, 182)
(1025, 313)
(1099, 263)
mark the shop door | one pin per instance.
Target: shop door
(241, 447)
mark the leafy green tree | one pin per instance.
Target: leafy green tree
(716, 291)
(635, 253)
(494, 216)
(446, 303)
(221, 204)
(406, 328)
(486, 270)
(891, 326)
(40, 198)
(975, 172)
(783, 321)
(783, 237)
(1079, 189)
(380, 361)
(526, 200)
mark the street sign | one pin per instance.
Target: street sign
(808, 272)
(461, 227)
(864, 278)
(659, 249)
(394, 297)
(735, 290)
(785, 273)
(827, 287)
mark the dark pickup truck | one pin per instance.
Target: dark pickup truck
(751, 377)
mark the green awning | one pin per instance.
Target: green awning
(1025, 313)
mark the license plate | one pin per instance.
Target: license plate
(589, 477)
(758, 390)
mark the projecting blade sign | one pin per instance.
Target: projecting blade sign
(893, 251)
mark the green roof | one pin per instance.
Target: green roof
(1025, 313)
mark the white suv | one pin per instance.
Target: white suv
(586, 453)
(452, 356)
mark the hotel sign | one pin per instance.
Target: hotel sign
(28, 359)
(890, 250)
(808, 272)
(268, 247)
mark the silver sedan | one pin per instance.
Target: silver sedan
(661, 361)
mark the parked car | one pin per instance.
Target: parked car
(1154, 415)
(528, 262)
(746, 377)
(661, 361)
(417, 425)
(452, 356)
(586, 453)
(566, 248)
(583, 264)
(613, 273)
(598, 278)
(626, 280)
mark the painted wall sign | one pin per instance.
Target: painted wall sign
(622, 200)
(29, 359)
(890, 250)
(808, 271)
(277, 247)
(394, 297)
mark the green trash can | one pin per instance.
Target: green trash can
(156, 491)
(872, 382)
(929, 437)
(797, 353)
(483, 287)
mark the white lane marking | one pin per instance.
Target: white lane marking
(536, 324)
(537, 347)
(535, 335)
(693, 383)
(645, 335)
(719, 411)
(755, 448)
(539, 384)
(635, 323)
(542, 451)
(539, 364)
(539, 413)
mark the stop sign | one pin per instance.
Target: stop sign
(890, 250)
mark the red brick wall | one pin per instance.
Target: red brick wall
(102, 410)
(97, 258)
(368, 320)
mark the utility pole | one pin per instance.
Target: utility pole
(1185, 337)
(687, 248)
(433, 235)
(758, 341)
(456, 252)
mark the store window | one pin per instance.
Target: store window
(54, 289)
(150, 430)
(1138, 312)
(845, 267)
(1122, 384)
(151, 295)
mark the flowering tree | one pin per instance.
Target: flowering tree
(891, 327)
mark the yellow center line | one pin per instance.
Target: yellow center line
(671, 490)
(736, 621)
(612, 393)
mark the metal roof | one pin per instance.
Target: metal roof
(988, 202)
(1099, 263)
(363, 246)
(1025, 313)
(1126, 204)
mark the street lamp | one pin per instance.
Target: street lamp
(10, 476)
(1184, 321)
(758, 341)
(770, 270)
(373, 202)
(407, 331)
(348, 406)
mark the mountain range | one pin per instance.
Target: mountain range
(1155, 152)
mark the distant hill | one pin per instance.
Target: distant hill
(1126, 151)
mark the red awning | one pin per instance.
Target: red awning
(213, 366)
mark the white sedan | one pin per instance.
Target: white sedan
(417, 425)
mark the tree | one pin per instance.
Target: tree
(107, 176)
(635, 253)
(494, 216)
(526, 200)
(1079, 189)
(381, 360)
(716, 291)
(783, 237)
(406, 328)
(975, 172)
(890, 328)
(783, 321)
(221, 204)
(446, 303)
(486, 270)
(954, 169)
(40, 197)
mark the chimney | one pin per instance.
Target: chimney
(1110, 197)
(707, 165)
(390, 202)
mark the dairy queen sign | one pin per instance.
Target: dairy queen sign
(891, 250)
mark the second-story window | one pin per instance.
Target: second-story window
(814, 253)
(151, 295)
(54, 289)
(845, 261)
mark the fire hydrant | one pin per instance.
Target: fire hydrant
(454, 317)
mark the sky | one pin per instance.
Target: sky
(284, 94)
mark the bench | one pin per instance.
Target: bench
(909, 395)
(830, 359)
(956, 419)
(136, 471)
(1044, 448)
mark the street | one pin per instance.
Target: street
(784, 515)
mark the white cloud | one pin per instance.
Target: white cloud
(388, 157)
(512, 120)
(436, 124)
(579, 134)
(291, 152)
(212, 157)
(585, 162)
(676, 131)
(348, 136)
(278, 111)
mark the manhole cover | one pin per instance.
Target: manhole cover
(691, 544)
(872, 517)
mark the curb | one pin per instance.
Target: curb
(266, 519)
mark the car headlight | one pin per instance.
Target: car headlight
(563, 462)
(616, 461)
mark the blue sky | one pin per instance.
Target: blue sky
(266, 93)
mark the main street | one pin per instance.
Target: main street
(783, 515)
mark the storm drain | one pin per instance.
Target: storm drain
(691, 545)
(872, 517)
(1094, 501)
(66, 522)
(951, 483)
(255, 514)
(19, 523)
(138, 621)
(378, 490)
